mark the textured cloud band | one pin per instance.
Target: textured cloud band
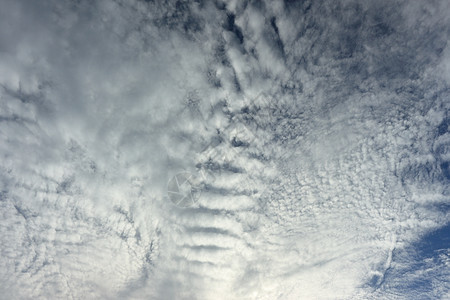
(317, 133)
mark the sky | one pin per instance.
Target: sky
(224, 149)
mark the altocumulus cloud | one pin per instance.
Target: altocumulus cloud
(320, 130)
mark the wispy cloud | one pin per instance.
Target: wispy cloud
(318, 133)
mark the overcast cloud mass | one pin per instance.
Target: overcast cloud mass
(316, 134)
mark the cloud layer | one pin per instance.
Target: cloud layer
(317, 131)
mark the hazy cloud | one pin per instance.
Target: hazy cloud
(321, 129)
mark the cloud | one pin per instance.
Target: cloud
(320, 127)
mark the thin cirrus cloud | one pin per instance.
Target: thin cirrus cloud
(320, 131)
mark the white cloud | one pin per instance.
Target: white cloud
(325, 138)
